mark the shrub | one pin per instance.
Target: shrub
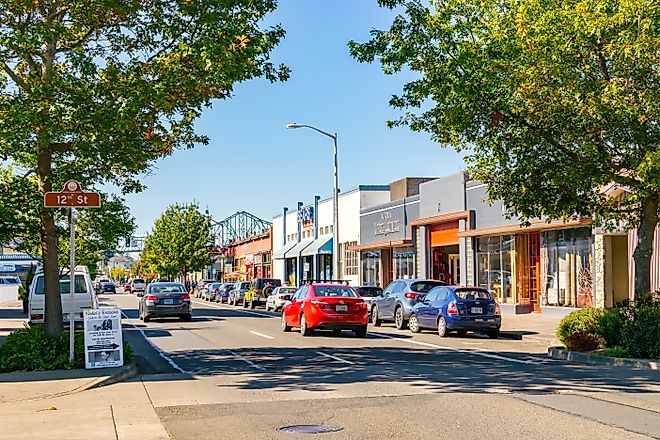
(610, 324)
(30, 349)
(640, 332)
(617, 352)
(583, 341)
(583, 320)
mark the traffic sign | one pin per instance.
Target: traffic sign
(72, 195)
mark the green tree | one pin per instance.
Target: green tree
(98, 91)
(178, 243)
(550, 100)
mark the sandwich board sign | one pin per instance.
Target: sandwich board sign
(103, 338)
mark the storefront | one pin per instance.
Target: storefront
(251, 258)
(386, 249)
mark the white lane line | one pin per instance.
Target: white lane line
(261, 334)
(335, 358)
(475, 351)
(249, 312)
(155, 347)
(246, 360)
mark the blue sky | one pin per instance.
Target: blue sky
(253, 163)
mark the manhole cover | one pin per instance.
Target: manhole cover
(310, 429)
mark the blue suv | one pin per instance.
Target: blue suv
(397, 300)
(457, 309)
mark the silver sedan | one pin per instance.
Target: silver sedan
(280, 295)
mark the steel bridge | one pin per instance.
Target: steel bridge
(238, 227)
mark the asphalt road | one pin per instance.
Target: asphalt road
(232, 373)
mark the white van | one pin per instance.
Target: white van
(84, 296)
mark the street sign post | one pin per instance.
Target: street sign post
(72, 196)
(103, 338)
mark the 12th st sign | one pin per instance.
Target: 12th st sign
(72, 196)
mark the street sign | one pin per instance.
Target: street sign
(72, 195)
(103, 338)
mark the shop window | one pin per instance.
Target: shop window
(349, 259)
(566, 268)
(403, 260)
(494, 266)
(371, 268)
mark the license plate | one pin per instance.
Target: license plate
(168, 301)
(477, 310)
(342, 308)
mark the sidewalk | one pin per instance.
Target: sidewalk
(532, 326)
(11, 318)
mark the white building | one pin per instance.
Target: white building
(302, 237)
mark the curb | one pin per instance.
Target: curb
(595, 359)
(126, 372)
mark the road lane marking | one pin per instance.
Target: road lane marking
(155, 347)
(472, 343)
(477, 352)
(261, 334)
(338, 359)
(249, 312)
(246, 360)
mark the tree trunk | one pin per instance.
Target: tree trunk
(644, 247)
(53, 301)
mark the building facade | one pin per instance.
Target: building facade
(302, 238)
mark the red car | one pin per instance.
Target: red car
(127, 288)
(326, 307)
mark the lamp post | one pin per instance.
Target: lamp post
(335, 201)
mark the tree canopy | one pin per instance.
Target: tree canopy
(178, 243)
(98, 91)
(550, 100)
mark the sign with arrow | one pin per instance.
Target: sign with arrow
(103, 338)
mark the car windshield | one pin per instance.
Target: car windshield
(334, 291)
(166, 288)
(65, 282)
(104, 281)
(245, 285)
(287, 290)
(215, 285)
(472, 294)
(369, 291)
(425, 286)
(138, 280)
(11, 280)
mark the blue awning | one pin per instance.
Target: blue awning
(320, 246)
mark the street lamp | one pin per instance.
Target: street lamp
(335, 202)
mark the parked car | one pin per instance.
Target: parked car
(138, 285)
(165, 300)
(211, 291)
(127, 288)
(84, 296)
(237, 293)
(398, 299)
(10, 280)
(325, 306)
(223, 293)
(105, 285)
(201, 286)
(278, 297)
(459, 309)
(260, 288)
(368, 293)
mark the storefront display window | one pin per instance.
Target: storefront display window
(494, 266)
(371, 268)
(566, 261)
(403, 262)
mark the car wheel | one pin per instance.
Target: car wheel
(493, 334)
(361, 332)
(252, 304)
(375, 319)
(267, 307)
(285, 328)
(413, 324)
(461, 332)
(146, 318)
(304, 330)
(442, 327)
(140, 317)
(245, 303)
(399, 320)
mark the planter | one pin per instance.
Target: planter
(560, 353)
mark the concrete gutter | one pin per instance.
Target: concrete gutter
(596, 359)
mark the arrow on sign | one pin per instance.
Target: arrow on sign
(103, 347)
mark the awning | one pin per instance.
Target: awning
(320, 246)
(295, 251)
(381, 245)
(279, 255)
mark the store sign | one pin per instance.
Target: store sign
(7, 267)
(387, 225)
(306, 215)
(103, 338)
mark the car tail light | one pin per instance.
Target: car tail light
(185, 297)
(36, 317)
(452, 309)
(280, 297)
(411, 295)
(150, 298)
(497, 309)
